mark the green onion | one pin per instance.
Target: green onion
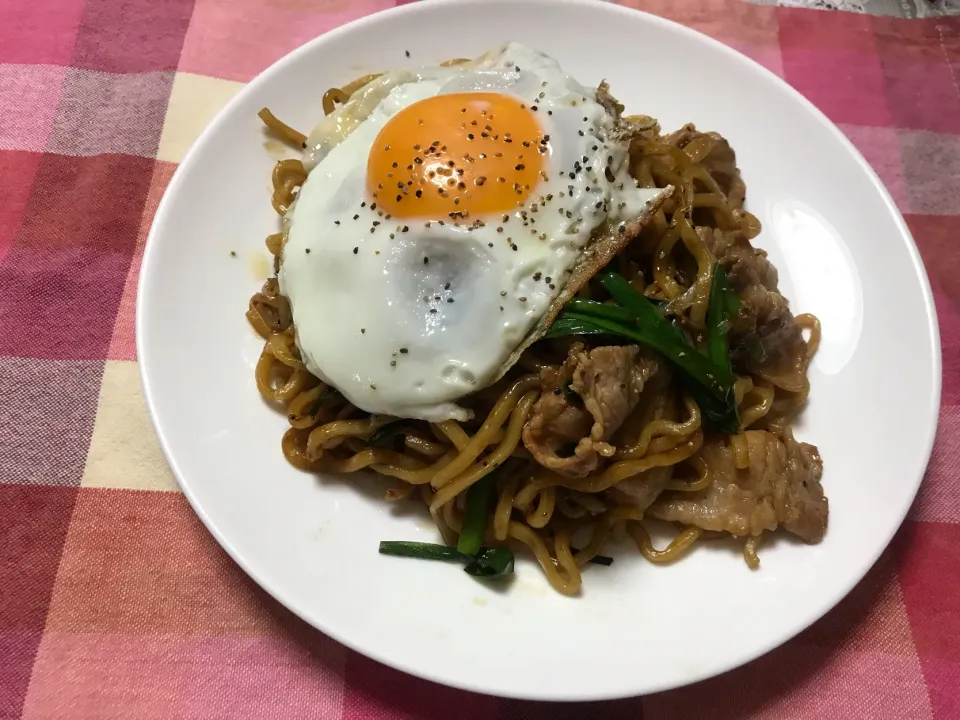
(596, 559)
(640, 307)
(567, 324)
(479, 501)
(634, 317)
(491, 562)
(384, 435)
(488, 562)
(325, 396)
(722, 309)
(600, 310)
(721, 410)
(423, 551)
(682, 355)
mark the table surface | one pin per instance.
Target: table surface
(116, 602)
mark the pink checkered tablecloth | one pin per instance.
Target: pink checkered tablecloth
(114, 600)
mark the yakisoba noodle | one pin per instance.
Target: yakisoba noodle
(543, 510)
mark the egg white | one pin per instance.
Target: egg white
(405, 317)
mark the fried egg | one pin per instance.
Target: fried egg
(442, 214)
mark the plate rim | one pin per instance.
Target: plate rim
(561, 694)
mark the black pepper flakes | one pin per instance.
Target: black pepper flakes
(356, 250)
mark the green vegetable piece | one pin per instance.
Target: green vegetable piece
(491, 563)
(722, 309)
(596, 559)
(682, 355)
(567, 324)
(640, 307)
(479, 501)
(487, 563)
(384, 435)
(423, 551)
(634, 317)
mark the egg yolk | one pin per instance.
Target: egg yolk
(456, 156)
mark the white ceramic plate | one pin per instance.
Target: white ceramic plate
(843, 253)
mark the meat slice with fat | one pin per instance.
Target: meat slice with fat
(780, 487)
